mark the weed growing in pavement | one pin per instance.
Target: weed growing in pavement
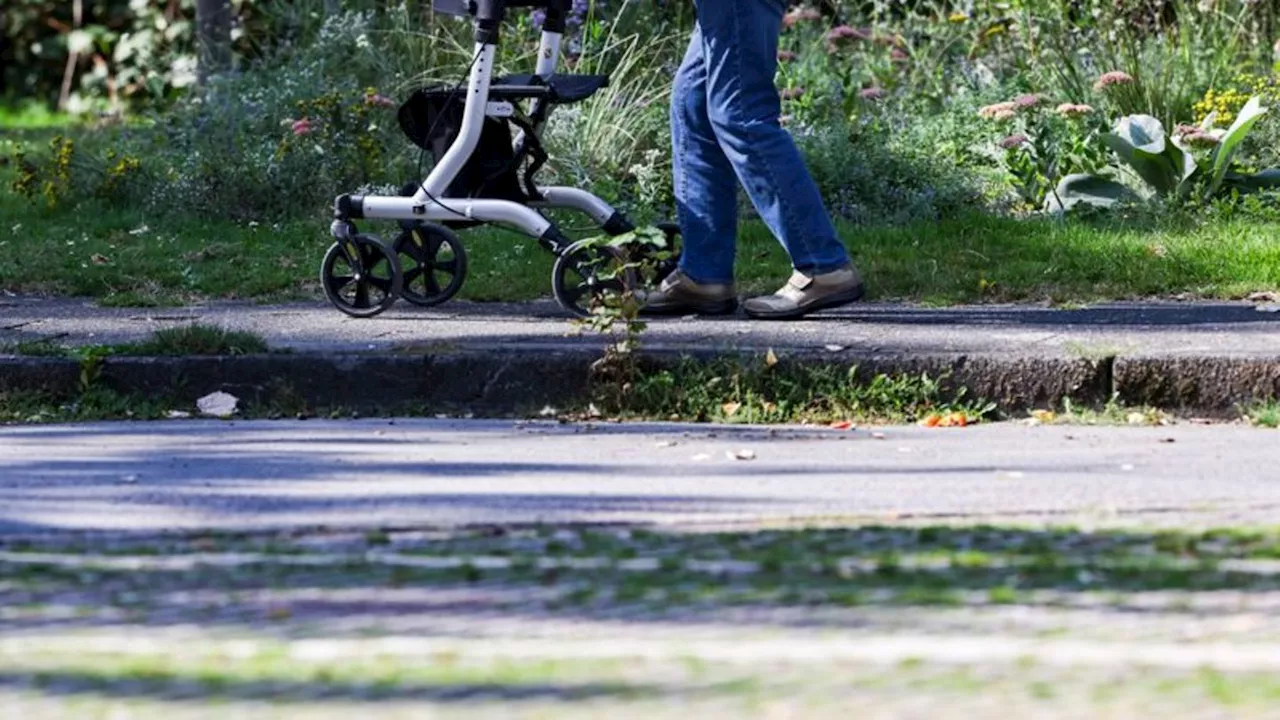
(625, 262)
(769, 390)
(1114, 412)
(195, 339)
(1264, 414)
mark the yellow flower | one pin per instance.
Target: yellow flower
(957, 17)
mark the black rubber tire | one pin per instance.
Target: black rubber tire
(418, 250)
(576, 284)
(372, 281)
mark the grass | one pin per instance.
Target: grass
(194, 339)
(32, 116)
(1265, 414)
(1113, 412)
(766, 390)
(124, 256)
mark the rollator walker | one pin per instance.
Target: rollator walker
(482, 174)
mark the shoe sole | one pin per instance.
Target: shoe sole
(723, 307)
(844, 298)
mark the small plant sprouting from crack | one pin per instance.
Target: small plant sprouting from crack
(616, 315)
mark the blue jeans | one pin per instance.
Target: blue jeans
(725, 130)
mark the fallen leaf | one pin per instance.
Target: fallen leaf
(1268, 308)
(1136, 418)
(932, 421)
(667, 444)
(1044, 416)
(548, 411)
(877, 435)
(730, 408)
(770, 359)
(740, 454)
(1264, 296)
(700, 457)
(834, 348)
(218, 404)
(842, 425)
(99, 259)
(177, 415)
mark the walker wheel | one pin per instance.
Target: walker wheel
(434, 264)
(361, 276)
(587, 273)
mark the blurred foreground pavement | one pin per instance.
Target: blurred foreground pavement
(501, 569)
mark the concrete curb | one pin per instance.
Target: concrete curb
(506, 382)
(1213, 385)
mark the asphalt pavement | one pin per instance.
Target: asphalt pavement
(184, 475)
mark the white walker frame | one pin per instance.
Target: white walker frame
(427, 203)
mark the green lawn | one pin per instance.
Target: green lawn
(125, 257)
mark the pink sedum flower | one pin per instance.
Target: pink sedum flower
(792, 93)
(998, 111)
(1014, 141)
(800, 15)
(1074, 110)
(1113, 78)
(872, 93)
(1026, 102)
(379, 101)
(302, 127)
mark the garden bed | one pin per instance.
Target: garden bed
(939, 139)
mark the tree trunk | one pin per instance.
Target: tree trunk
(213, 37)
(73, 57)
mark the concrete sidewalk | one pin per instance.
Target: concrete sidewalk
(1199, 358)
(1168, 329)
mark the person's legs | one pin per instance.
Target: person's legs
(739, 58)
(705, 186)
(706, 200)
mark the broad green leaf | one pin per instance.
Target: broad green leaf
(1142, 132)
(1230, 142)
(1092, 190)
(1268, 179)
(1157, 169)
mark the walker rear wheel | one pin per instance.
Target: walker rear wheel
(361, 276)
(587, 274)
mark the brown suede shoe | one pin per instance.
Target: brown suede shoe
(679, 295)
(804, 294)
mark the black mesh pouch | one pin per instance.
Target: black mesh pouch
(432, 120)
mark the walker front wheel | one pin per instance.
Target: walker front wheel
(434, 264)
(361, 276)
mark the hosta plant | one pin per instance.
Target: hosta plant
(1194, 163)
